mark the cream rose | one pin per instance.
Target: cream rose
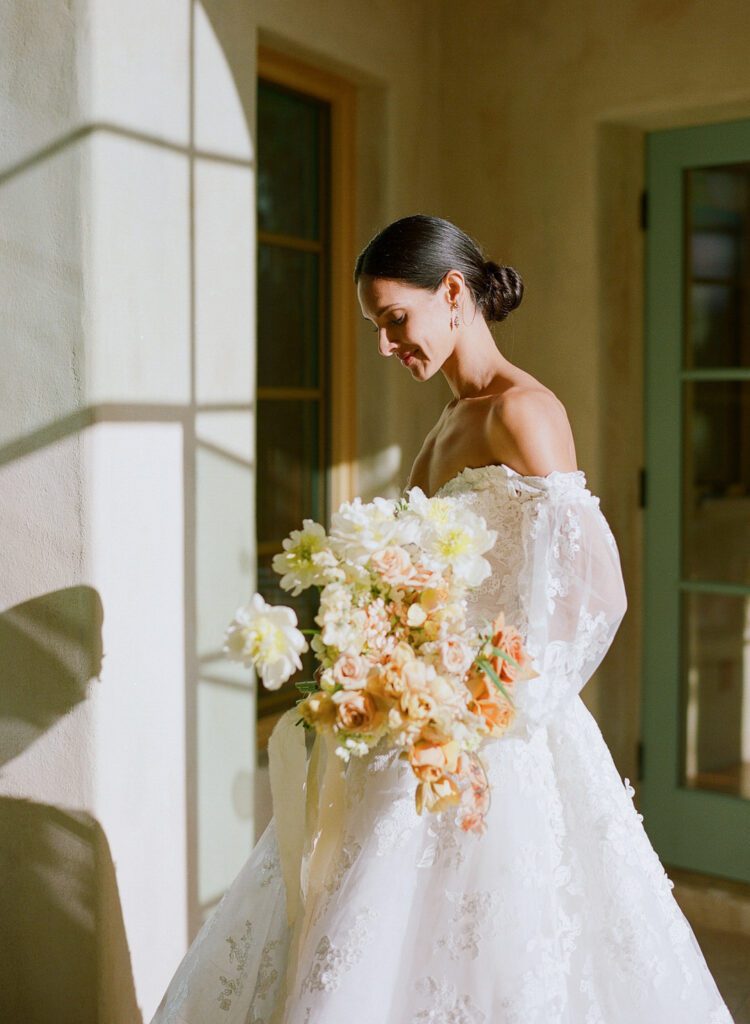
(350, 670)
(455, 656)
(393, 564)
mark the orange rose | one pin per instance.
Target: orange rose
(487, 701)
(508, 639)
(430, 760)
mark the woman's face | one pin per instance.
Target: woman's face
(411, 323)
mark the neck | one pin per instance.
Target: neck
(475, 366)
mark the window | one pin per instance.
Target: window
(305, 437)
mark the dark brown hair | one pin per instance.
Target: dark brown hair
(420, 250)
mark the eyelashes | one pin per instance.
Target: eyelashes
(396, 322)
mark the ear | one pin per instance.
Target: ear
(455, 286)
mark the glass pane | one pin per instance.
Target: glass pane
(716, 508)
(716, 318)
(305, 605)
(718, 268)
(288, 466)
(716, 704)
(288, 317)
(288, 161)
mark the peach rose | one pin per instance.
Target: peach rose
(430, 760)
(350, 670)
(358, 711)
(487, 701)
(422, 577)
(508, 639)
(394, 565)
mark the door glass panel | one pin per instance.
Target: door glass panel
(288, 317)
(288, 467)
(716, 520)
(293, 284)
(289, 132)
(716, 724)
(716, 481)
(718, 269)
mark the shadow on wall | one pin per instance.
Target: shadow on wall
(64, 956)
(51, 648)
(63, 951)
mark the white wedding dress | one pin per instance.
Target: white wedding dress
(561, 913)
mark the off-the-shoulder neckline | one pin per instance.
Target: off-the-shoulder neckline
(575, 475)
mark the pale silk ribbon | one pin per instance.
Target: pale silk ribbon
(308, 807)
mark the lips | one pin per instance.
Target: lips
(407, 357)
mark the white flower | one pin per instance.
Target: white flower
(435, 511)
(307, 559)
(342, 625)
(359, 528)
(266, 636)
(460, 544)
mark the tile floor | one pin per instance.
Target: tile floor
(728, 956)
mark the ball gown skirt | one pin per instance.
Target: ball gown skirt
(352, 907)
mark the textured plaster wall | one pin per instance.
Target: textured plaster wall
(126, 463)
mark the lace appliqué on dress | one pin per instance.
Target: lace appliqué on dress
(345, 859)
(238, 953)
(445, 1006)
(474, 919)
(330, 961)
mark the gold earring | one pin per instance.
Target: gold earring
(454, 317)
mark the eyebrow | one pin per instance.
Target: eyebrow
(379, 312)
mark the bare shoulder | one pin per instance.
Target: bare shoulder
(531, 424)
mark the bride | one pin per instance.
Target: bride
(561, 913)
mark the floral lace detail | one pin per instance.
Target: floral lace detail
(394, 828)
(239, 950)
(347, 855)
(268, 975)
(330, 962)
(475, 918)
(270, 867)
(446, 845)
(445, 1006)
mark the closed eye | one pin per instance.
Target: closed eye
(396, 322)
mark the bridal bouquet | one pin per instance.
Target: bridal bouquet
(397, 659)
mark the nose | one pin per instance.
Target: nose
(384, 345)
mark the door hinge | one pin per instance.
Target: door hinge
(642, 487)
(643, 214)
(639, 755)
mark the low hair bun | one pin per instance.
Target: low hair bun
(503, 291)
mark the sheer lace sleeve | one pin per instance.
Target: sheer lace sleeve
(572, 591)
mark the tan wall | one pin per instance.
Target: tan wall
(544, 108)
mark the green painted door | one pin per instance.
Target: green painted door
(695, 792)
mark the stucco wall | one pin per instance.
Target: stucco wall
(128, 223)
